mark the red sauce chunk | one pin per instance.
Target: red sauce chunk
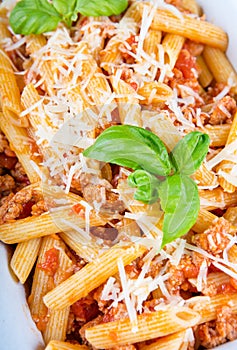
(185, 63)
(51, 262)
(85, 309)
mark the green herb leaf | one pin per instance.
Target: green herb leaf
(67, 8)
(189, 153)
(180, 201)
(34, 17)
(101, 7)
(132, 147)
(146, 184)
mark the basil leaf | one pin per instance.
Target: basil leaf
(180, 201)
(146, 184)
(132, 147)
(189, 153)
(101, 7)
(34, 17)
(67, 8)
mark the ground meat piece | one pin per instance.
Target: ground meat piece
(7, 183)
(115, 313)
(221, 330)
(4, 146)
(180, 275)
(106, 233)
(223, 111)
(19, 173)
(85, 309)
(16, 206)
(39, 208)
(214, 240)
(100, 192)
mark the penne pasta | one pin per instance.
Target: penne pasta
(174, 341)
(226, 169)
(82, 282)
(220, 66)
(56, 326)
(129, 108)
(41, 285)
(204, 220)
(207, 309)
(34, 45)
(218, 134)
(205, 177)
(24, 258)
(150, 325)
(45, 224)
(19, 141)
(172, 45)
(217, 198)
(189, 27)
(154, 93)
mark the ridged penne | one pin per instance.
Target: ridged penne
(19, 141)
(173, 341)
(151, 41)
(154, 93)
(205, 177)
(225, 168)
(217, 198)
(149, 326)
(128, 104)
(9, 91)
(24, 258)
(189, 27)
(207, 308)
(34, 43)
(218, 134)
(45, 224)
(220, 66)
(163, 127)
(56, 326)
(204, 220)
(172, 45)
(41, 285)
(84, 281)
(80, 245)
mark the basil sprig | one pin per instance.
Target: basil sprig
(40, 16)
(143, 151)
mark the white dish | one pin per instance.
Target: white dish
(17, 330)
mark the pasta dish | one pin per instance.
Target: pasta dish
(118, 172)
